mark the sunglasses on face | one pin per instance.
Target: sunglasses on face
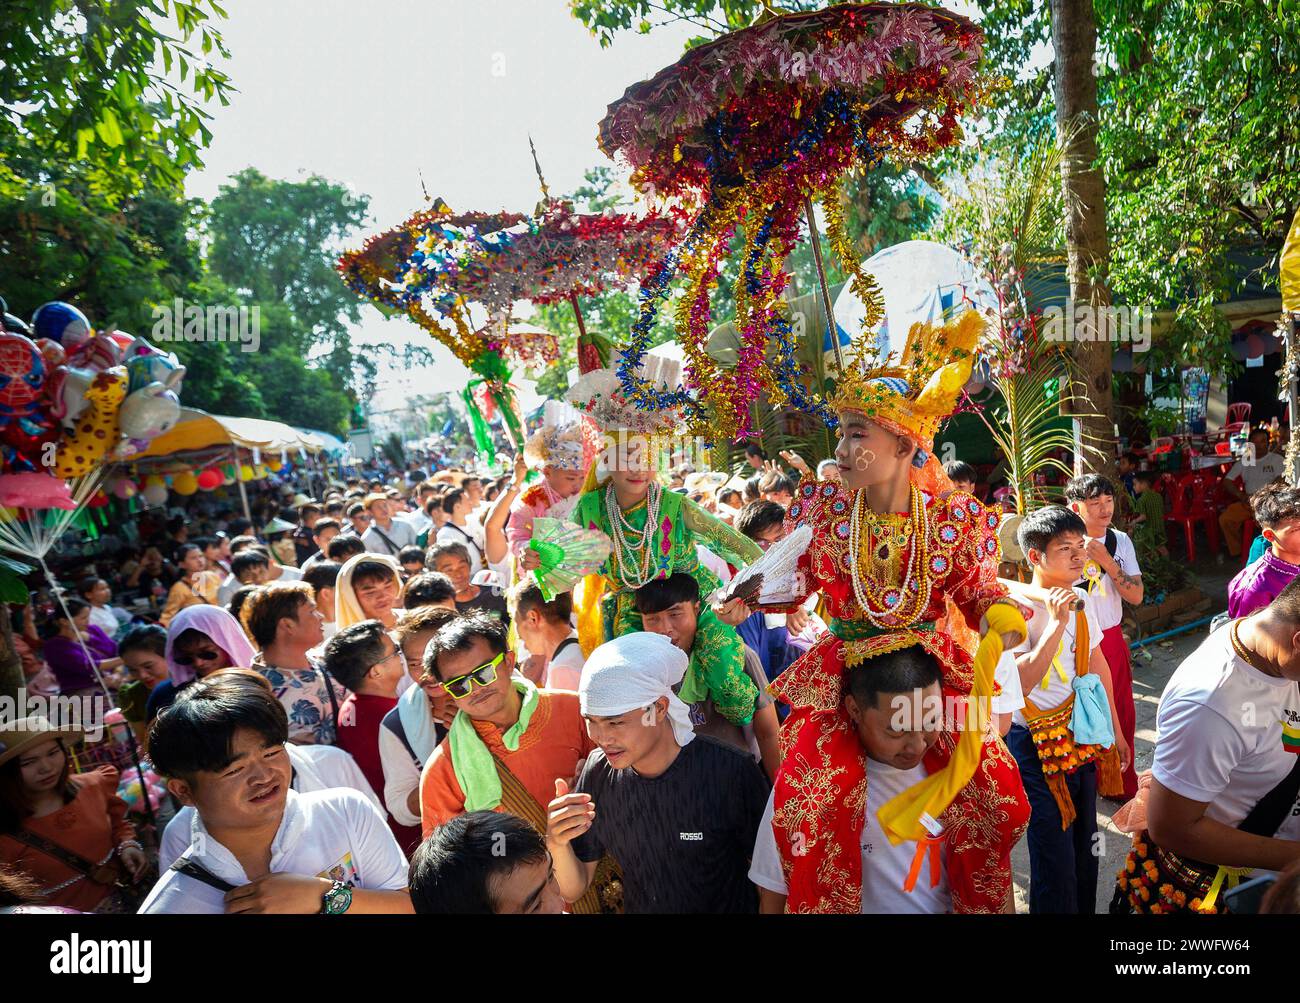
(206, 655)
(484, 675)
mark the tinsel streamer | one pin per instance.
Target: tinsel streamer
(863, 283)
(478, 426)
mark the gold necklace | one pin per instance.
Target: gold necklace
(891, 606)
(1244, 653)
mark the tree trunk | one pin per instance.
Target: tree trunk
(1074, 38)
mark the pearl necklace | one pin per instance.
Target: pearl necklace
(915, 584)
(625, 554)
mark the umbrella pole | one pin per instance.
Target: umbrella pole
(821, 279)
(243, 492)
(577, 314)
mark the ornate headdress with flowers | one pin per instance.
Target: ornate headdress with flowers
(559, 442)
(912, 395)
(599, 396)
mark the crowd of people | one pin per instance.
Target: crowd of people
(373, 703)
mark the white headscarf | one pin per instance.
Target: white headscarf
(632, 672)
(347, 608)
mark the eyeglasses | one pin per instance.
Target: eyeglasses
(484, 675)
(210, 655)
(395, 652)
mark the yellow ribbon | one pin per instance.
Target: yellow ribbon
(900, 819)
(1056, 664)
(1096, 579)
(1232, 875)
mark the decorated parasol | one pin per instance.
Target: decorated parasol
(413, 269)
(752, 129)
(557, 254)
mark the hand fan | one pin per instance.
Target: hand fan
(569, 553)
(769, 581)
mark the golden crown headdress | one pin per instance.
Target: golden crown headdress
(913, 394)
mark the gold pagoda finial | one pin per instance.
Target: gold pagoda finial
(546, 192)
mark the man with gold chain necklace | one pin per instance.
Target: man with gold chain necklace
(895, 558)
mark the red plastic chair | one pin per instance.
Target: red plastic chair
(1249, 529)
(1238, 413)
(1191, 504)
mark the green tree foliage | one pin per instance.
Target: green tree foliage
(276, 242)
(1199, 137)
(117, 86)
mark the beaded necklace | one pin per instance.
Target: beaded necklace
(892, 606)
(625, 554)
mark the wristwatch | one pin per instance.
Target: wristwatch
(338, 899)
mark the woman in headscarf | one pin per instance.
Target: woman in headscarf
(200, 640)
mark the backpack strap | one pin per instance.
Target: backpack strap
(195, 870)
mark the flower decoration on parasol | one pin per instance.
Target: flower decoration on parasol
(391, 271)
(752, 129)
(558, 254)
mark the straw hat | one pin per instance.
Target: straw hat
(15, 736)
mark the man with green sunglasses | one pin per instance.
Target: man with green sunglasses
(509, 740)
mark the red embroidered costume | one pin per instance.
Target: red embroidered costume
(911, 590)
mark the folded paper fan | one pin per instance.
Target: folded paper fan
(769, 581)
(569, 553)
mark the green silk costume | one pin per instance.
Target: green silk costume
(717, 668)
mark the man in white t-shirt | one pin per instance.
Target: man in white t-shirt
(1112, 577)
(386, 535)
(313, 768)
(1257, 469)
(896, 706)
(257, 845)
(1063, 823)
(1226, 770)
(546, 629)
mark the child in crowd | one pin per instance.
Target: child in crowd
(1112, 576)
(1277, 510)
(1061, 775)
(1148, 522)
(962, 475)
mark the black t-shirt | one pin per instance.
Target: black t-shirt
(684, 838)
(489, 600)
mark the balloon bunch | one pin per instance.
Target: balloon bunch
(754, 127)
(73, 399)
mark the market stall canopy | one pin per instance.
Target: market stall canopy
(330, 444)
(198, 430)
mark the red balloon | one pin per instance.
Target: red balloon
(209, 479)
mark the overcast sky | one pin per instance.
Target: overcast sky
(372, 94)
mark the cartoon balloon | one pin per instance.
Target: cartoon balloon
(149, 412)
(22, 376)
(62, 323)
(96, 432)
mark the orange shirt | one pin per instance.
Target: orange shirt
(90, 826)
(555, 745)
